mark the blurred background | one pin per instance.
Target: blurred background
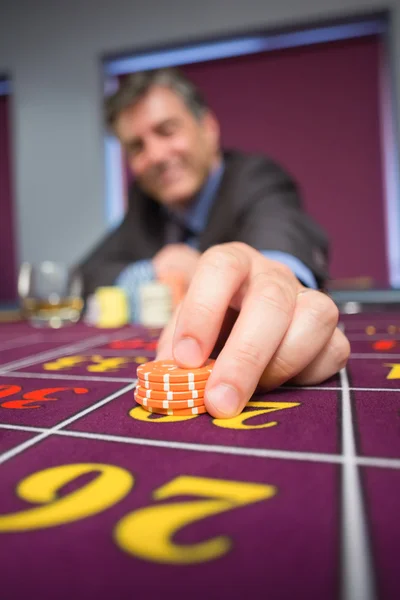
(315, 85)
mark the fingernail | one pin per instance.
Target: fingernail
(188, 352)
(225, 399)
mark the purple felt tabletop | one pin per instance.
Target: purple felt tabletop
(102, 499)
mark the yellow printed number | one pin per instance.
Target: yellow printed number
(149, 532)
(103, 365)
(140, 360)
(140, 414)
(239, 422)
(99, 364)
(110, 486)
(65, 362)
(394, 372)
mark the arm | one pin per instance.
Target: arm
(303, 273)
(273, 220)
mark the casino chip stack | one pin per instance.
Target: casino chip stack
(155, 304)
(166, 389)
(107, 308)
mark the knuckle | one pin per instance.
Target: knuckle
(224, 258)
(241, 247)
(203, 311)
(323, 308)
(274, 293)
(341, 349)
(248, 355)
(282, 368)
(282, 270)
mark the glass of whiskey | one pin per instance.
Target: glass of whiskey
(50, 294)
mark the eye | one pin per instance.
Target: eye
(134, 148)
(168, 128)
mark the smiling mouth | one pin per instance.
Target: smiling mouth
(171, 175)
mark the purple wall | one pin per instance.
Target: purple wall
(315, 110)
(7, 247)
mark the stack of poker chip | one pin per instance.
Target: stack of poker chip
(155, 304)
(166, 389)
(158, 299)
(107, 308)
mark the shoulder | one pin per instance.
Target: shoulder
(250, 177)
(247, 166)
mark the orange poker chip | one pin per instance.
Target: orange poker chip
(167, 371)
(157, 395)
(168, 404)
(172, 387)
(184, 412)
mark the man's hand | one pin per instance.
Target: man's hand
(175, 265)
(176, 258)
(283, 333)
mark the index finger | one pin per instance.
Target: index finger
(221, 272)
(269, 298)
(266, 316)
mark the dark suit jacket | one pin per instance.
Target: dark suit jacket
(257, 203)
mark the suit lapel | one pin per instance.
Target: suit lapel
(148, 224)
(219, 224)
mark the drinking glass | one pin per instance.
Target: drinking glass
(50, 294)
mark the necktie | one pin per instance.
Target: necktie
(176, 232)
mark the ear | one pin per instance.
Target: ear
(212, 129)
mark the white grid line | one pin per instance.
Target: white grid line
(67, 376)
(365, 461)
(48, 432)
(125, 352)
(337, 388)
(376, 336)
(16, 374)
(21, 341)
(371, 461)
(175, 445)
(357, 572)
(33, 359)
(370, 356)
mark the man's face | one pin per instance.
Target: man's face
(169, 151)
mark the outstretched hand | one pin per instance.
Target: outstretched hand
(283, 332)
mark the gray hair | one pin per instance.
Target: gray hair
(136, 85)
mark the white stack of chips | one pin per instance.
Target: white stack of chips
(92, 312)
(155, 304)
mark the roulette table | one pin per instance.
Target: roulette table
(297, 497)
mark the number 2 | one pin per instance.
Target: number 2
(149, 532)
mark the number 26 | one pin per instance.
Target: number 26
(147, 533)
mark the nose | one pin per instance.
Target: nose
(155, 153)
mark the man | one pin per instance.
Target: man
(234, 225)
